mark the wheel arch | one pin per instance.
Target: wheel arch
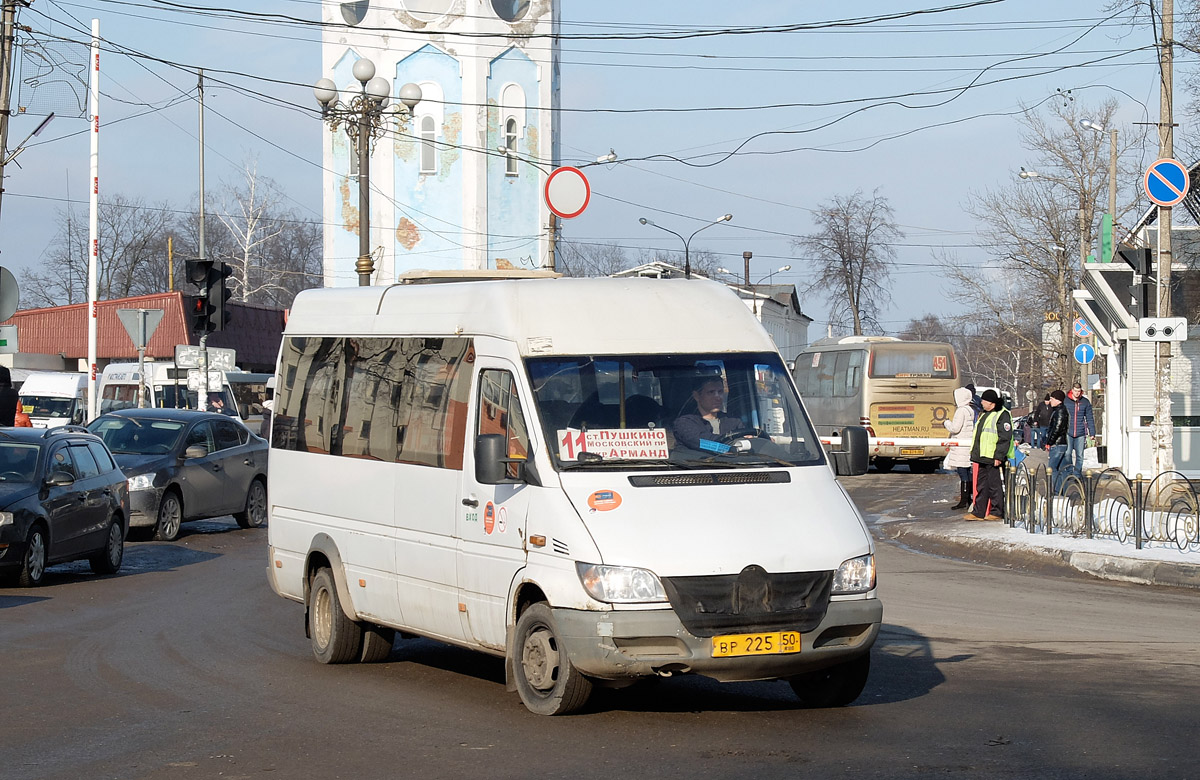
(323, 552)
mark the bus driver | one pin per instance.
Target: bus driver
(708, 421)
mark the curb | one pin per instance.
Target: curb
(952, 540)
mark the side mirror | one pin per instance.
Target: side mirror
(195, 451)
(60, 479)
(491, 461)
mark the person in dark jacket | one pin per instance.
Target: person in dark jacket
(992, 441)
(8, 398)
(709, 423)
(1056, 439)
(1080, 425)
(976, 406)
(1039, 422)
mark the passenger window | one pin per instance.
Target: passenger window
(854, 372)
(103, 458)
(61, 461)
(85, 464)
(500, 412)
(841, 364)
(200, 434)
(227, 435)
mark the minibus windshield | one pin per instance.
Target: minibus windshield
(717, 410)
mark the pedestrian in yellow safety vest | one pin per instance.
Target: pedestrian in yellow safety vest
(990, 449)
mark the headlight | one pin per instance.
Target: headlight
(141, 482)
(620, 584)
(856, 575)
(6, 518)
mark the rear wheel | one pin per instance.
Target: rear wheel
(549, 684)
(255, 513)
(336, 639)
(923, 466)
(834, 686)
(33, 566)
(885, 464)
(170, 515)
(108, 560)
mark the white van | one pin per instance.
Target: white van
(520, 467)
(164, 387)
(55, 398)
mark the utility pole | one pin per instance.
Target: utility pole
(7, 30)
(1163, 434)
(202, 393)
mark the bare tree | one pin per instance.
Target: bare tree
(852, 251)
(1034, 229)
(132, 260)
(586, 259)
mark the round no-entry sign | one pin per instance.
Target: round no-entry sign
(567, 192)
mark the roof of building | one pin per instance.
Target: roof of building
(254, 331)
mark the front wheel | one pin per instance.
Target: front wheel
(108, 560)
(255, 513)
(170, 515)
(834, 686)
(547, 681)
(336, 639)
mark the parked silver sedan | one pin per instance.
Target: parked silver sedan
(186, 465)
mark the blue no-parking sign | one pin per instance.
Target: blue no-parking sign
(1082, 329)
(1166, 182)
(1084, 353)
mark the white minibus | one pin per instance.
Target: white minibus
(54, 398)
(598, 480)
(165, 387)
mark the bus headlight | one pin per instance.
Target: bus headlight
(620, 584)
(856, 575)
(6, 518)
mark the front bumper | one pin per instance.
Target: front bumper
(613, 645)
(143, 506)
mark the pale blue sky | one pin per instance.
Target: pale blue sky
(924, 171)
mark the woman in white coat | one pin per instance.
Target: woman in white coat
(962, 425)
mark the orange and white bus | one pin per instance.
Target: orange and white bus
(900, 391)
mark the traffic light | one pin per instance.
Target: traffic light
(1142, 291)
(199, 312)
(218, 294)
(208, 310)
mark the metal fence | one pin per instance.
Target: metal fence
(1106, 505)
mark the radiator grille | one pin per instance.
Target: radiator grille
(719, 478)
(752, 600)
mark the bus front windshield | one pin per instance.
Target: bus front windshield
(717, 410)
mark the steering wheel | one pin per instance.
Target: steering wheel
(14, 476)
(743, 433)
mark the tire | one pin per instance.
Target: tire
(834, 686)
(336, 639)
(170, 516)
(547, 681)
(377, 643)
(33, 565)
(108, 560)
(884, 465)
(255, 513)
(923, 466)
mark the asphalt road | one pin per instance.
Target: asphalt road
(185, 665)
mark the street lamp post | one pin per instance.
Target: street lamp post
(687, 258)
(1112, 164)
(363, 119)
(769, 277)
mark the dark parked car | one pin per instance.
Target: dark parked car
(62, 498)
(187, 465)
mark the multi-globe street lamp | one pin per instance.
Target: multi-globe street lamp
(363, 119)
(687, 258)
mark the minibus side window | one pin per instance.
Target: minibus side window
(500, 412)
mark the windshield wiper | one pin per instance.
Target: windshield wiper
(597, 460)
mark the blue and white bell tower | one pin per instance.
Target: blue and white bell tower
(445, 193)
